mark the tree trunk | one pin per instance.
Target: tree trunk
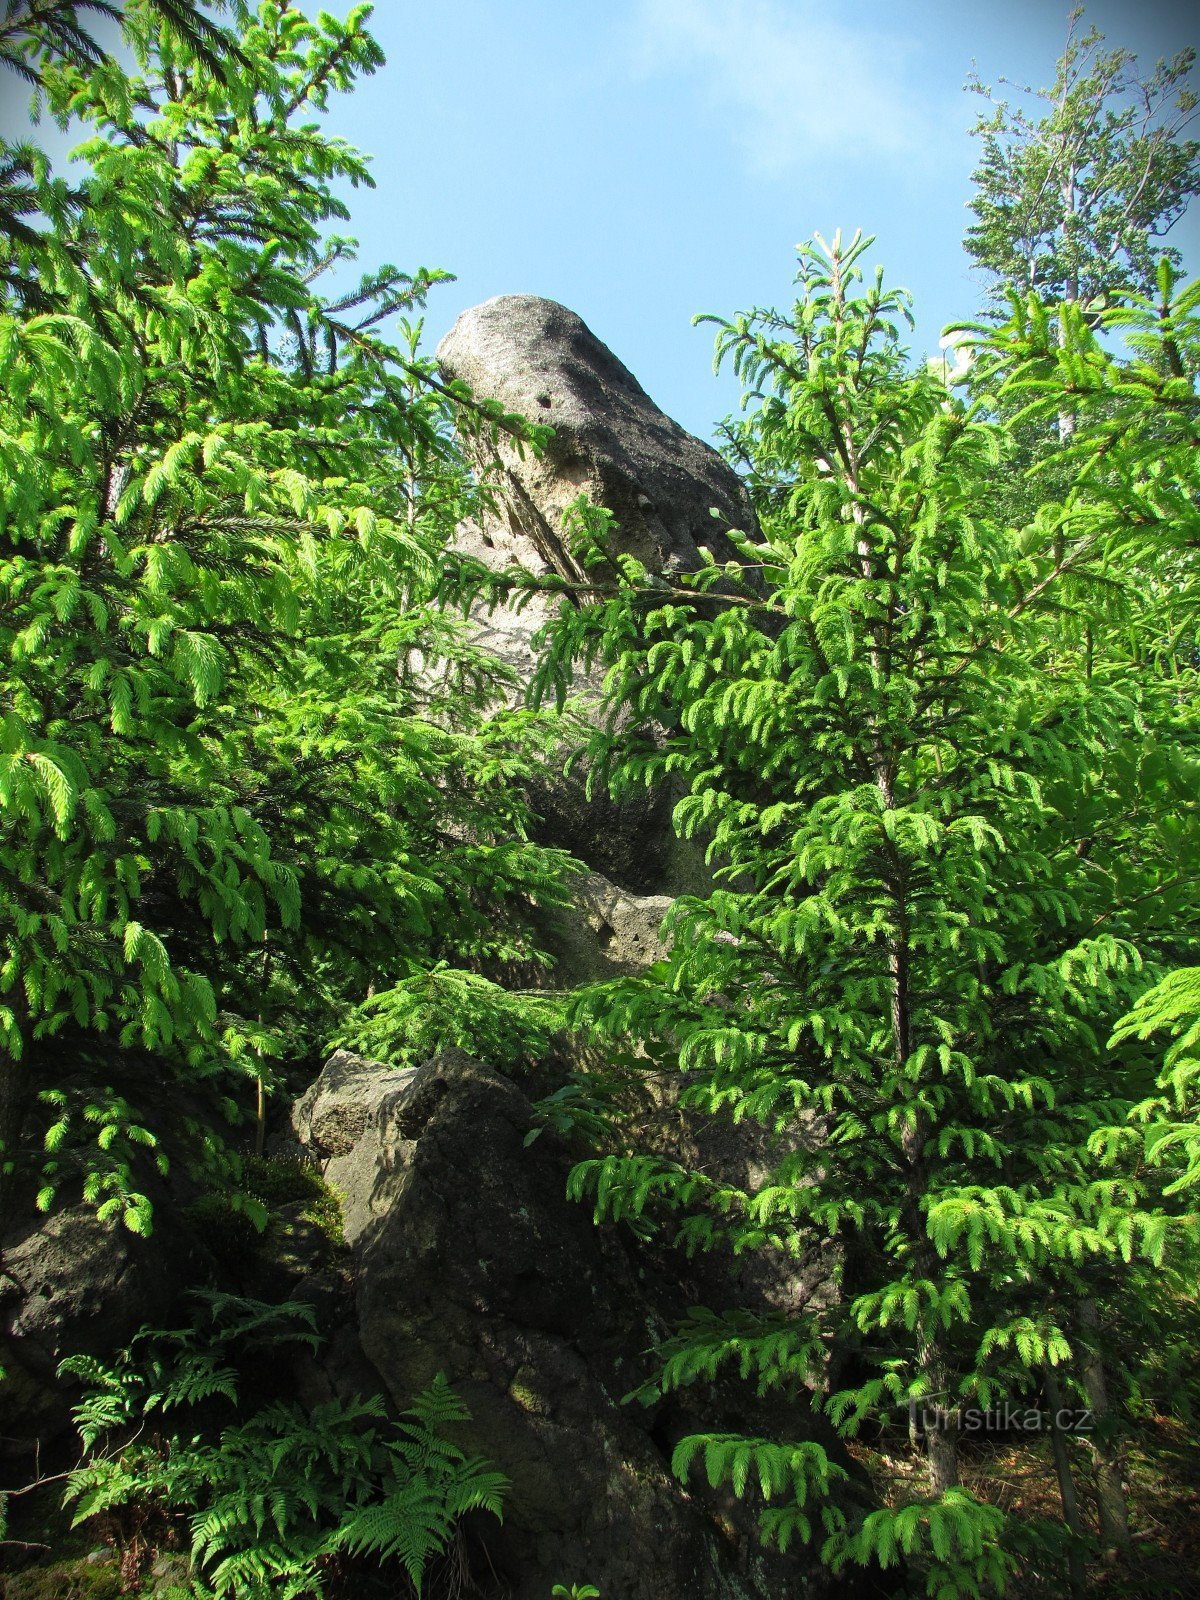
(260, 1098)
(940, 1420)
(1066, 419)
(1112, 1509)
(1076, 1571)
(941, 1448)
(14, 1080)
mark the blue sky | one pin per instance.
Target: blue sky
(643, 160)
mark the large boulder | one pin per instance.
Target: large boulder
(610, 441)
(669, 492)
(72, 1284)
(605, 932)
(468, 1259)
(332, 1115)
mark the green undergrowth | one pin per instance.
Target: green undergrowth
(203, 1473)
(276, 1199)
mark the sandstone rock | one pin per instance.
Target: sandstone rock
(331, 1116)
(503, 631)
(610, 440)
(69, 1284)
(468, 1259)
(628, 841)
(614, 444)
(605, 933)
(169, 1577)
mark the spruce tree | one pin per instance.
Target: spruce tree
(917, 752)
(237, 798)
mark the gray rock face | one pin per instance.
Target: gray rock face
(332, 1115)
(469, 1259)
(610, 440)
(70, 1284)
(605, 933)
(614, 444)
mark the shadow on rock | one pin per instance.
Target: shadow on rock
(469, 1259)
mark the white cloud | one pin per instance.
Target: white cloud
(799, 82)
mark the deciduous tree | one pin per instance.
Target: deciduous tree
(1078, 183)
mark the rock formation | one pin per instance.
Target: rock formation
(67, 1283)
(668, 492)
(611, 442)
(465, 1255)
(469, 1259)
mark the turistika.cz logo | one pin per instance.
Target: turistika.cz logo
(925, 1415)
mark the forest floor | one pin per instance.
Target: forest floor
(1163, 1481)
(1014, 1473)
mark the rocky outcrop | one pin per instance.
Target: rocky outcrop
(669, 492)
(605, 932)
(70, 1283)
(333, 1114)
(465, 1255)
(469, 1259)
(610, 442)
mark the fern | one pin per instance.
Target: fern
(271, 1498)
(410, 1525)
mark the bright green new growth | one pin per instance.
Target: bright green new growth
(937, 730)
(919, 744)
(1172, 1119)
(245, 774)
(272, 1498)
